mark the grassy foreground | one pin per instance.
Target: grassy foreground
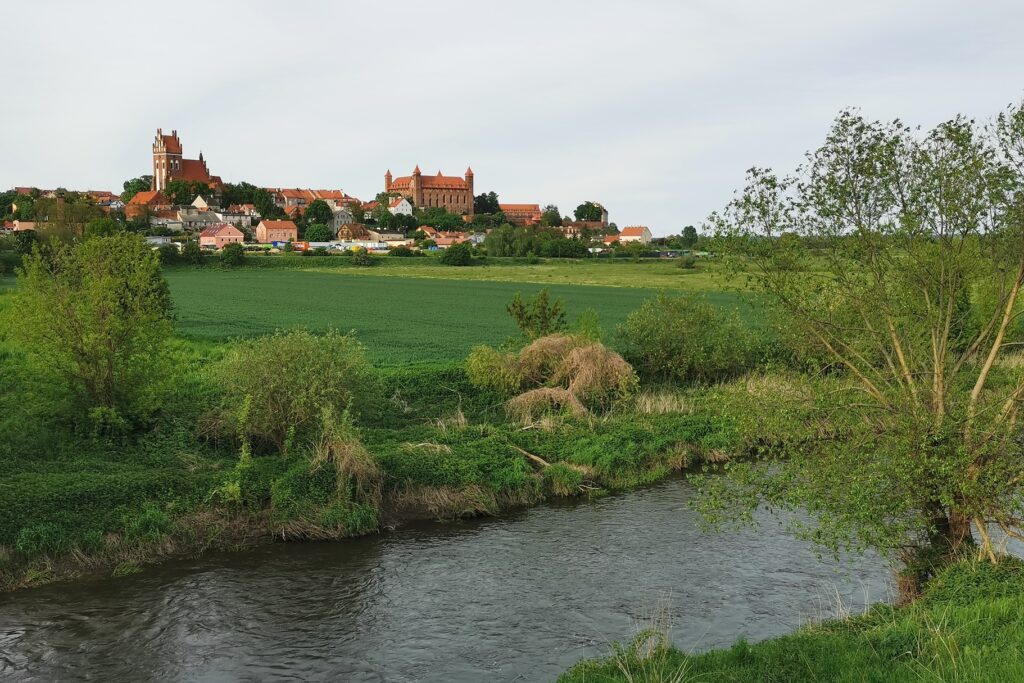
(968, 626)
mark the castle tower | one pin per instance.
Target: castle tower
(387, 181)
(469, 184)
(417, 187)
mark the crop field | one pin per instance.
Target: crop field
(400, 319)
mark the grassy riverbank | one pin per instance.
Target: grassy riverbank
(968, 626)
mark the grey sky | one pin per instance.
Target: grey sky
(653, 108)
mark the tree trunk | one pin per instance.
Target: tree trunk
(950, 537)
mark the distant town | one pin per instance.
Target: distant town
(182, 201)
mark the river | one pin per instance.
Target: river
(516, 598)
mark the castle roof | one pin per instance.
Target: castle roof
(519, 207)
(435, 182)
(171, 143)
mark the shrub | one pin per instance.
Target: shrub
(596, 376)
(491, 369)
(149, 524)
(686, 262)
(169, 254)
(318, 232)
(537, 317)
(39, 539)
(192, 253)
(363, 258)
(232, 255)
(403, 251)
(290, 378)
(685, 339)
(460, 254)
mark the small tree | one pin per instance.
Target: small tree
(97, 315)
(537, 317)
(460, 254)
(232, 255)
(319, 232)
(102, 227)
(192, 253)
(317, 213)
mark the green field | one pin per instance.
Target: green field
(400, 318)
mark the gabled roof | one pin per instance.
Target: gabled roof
(279, 225)
(196, 171)
(220, 229)
(609, 239)
(633, 231)
(520, 207)
(149, 198)
(171, 143)
(398, 200)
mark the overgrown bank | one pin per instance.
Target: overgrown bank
(967, 626)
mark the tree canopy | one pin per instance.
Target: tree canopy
(897, 259)
(588, 211)
(318, 212)
(135, 185)
(486, 203)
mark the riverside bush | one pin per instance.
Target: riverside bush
(686, 339)
(288, 379)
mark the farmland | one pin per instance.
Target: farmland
(403, 313)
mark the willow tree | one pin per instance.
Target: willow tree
(897, 256)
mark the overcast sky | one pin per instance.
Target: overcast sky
(653, 108)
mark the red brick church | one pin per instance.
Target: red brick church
(169, 165)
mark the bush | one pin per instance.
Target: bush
(685, 339)
(686, 262)
(460, 254)
(192, 253)
(491, 369)
(289, 378)
(318, 232)
(232, 255)
(403, 251)
(169, 254)
(363, 258)
(537, 317)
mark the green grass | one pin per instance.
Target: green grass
(969, 626)
(400, 318)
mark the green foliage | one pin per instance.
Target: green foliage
(284, 382)
(363, 258)
(460, 254)
(537, 317)
(685, 339)
(150, 524)
(232, 255)
(41, 539)
(192, 253)
(486, 203)
(318, 232)
(507, 240)
(169, 254)
(317, 213)
(562, 480)
(183, 192)
(134, 186)
(96, 317)
(588, 326)
(403, 251)
(494, 370)
(588, 211)
(101, 227)
(686, 262)
(551, 217)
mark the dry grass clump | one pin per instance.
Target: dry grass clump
(1013, 360)
(662, 402)
(338, 445)
(558, 373)
(529, 406)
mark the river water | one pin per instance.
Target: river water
(517, 598)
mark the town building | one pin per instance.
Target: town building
(170, 165)
(218, 235)
(276, 231)
(145, 203)
(521, 214)
(350, 232)
(635, 233)
(400, 206)
(452, 193)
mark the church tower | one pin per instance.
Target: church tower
(469, 184)
(166, 158)
(387, 181)
(417, 186)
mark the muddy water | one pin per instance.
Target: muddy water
(518, 598)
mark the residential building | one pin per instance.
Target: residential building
(350, 232)
(521, 214)
(381, 236)
(451, 192)
(635, 233)
(276, 231)
(400, 206)
(219, 235)
(170, 165)
(299, 198)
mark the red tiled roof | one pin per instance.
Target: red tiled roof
(172, 144)
(633, 231)
(438, 182)
(279, 225)
(219, 228)
(148, 198)
(195, 170)
(397, 201)
(519, 207)
(609, 239)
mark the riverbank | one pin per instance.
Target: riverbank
(967, 626)
(443, 449)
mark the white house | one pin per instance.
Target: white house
(400, 205)
(635, 233)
